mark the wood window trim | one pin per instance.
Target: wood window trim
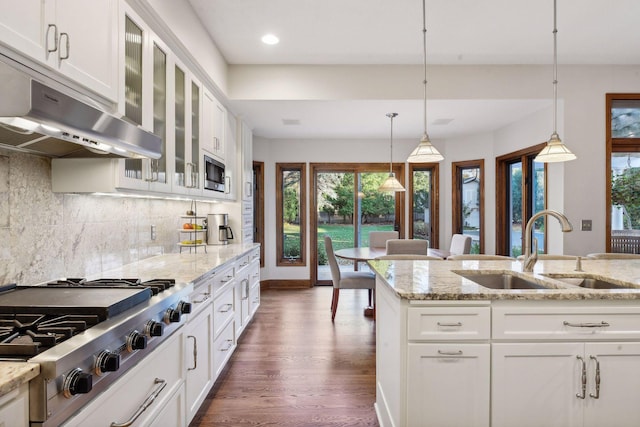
(314, 168)
(281, 261)
(435, 200)
(258, 206)
(614, 145)
(502, 207)
(456, 197)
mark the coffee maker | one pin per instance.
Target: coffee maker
(218, 230)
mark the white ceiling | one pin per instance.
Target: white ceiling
(390, 32)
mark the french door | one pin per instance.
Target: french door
(347, 205)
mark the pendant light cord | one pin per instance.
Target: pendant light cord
(555, 71)
(424, 59)
(391, 116)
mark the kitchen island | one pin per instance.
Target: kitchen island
(452, 352)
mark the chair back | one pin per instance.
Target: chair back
(551, 257)
(460, 244)
(378, 239)
(410, 257)
(480, 257)
(407, 246)
(333, 262)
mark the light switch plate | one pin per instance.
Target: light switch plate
(586, 225)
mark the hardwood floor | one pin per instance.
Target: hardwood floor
(293, 367)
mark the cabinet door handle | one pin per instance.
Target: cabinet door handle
(225, 308)
(205, 297)
(597, 395)
(249, 189)
(586, 325)
(450, 353)
(147, 402)
(66, 56)
(583, 379)
(229, 345)
(450, 324)
(153, 171)
(195, 353)
(55, 38)
(227, 184)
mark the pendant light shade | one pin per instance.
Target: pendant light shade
(391, 184)
(555, 151)
(425, 152)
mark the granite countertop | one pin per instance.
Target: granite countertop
(184, 268)
(14, 374)
(438, 280)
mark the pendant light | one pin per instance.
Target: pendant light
(391, 183)
(555, 151)
(425, 152)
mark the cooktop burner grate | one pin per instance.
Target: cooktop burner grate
(30, 334)
(156, 285)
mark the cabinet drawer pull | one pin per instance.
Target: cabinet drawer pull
(205, 297)
(597, 395)
(450, 353)
(226, 279)
(225, 308)
(147, 402)
(583, 379)
(229, 345)
(195, 353)
(586, 325)
(450, 324)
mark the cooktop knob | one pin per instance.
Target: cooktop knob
(153, 329)
(76, 382)
(107, 361)
(184, 307)
(171, 316)
(136, 341)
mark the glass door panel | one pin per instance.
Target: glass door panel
(515, 209)
(625, 202)
(180, 143)
(470, 198)
(133, 88)
(159, 167)
(375, 210)
(421, 209)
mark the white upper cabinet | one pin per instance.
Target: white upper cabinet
(76, 38)
(214, 123)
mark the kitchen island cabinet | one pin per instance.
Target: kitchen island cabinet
(450, 352)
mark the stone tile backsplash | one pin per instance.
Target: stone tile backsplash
(48, 235)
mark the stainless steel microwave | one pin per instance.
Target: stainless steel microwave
(214, 177)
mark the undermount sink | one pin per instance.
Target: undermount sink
(586, 282)
(501, 281)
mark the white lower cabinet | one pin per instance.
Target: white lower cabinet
(506, 363)
(448, 385)
(566, 384)
(14, 407)
(198, 359)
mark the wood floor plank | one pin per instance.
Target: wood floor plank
(294, 367)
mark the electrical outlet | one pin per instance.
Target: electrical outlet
(153, 232)
(586, 225)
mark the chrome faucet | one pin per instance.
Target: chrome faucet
(529, 257)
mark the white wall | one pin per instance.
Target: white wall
(576, 188)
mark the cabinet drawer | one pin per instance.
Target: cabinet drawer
(450, 323)
(222, 278)
(563, 322)
(247, 235)
(223, 309)
(200, 298)
(223, 347)
(254, 273)
(254, 298)
(243, 262)
(247, 221)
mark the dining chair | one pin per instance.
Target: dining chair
(410, 257)
(407, 246)
(612, 255)
(346, 279)
(378, 239)
(479, 257)
(460, 244)
(552, 257)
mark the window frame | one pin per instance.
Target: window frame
(435, 200)
(456, 197)
(281, 261)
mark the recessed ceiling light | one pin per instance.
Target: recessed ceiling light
(270, 39)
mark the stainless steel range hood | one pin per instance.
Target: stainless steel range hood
(36, 118)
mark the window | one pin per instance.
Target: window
(290, 213)
(423, 198)
(623, 173)
(468, 201)
(520, 193)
